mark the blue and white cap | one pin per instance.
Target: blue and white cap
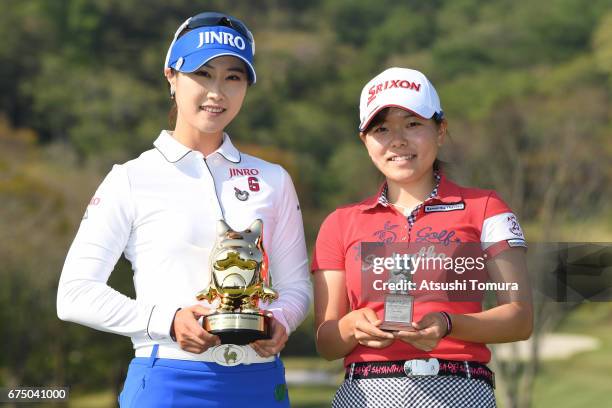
(201, 44)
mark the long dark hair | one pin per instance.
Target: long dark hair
(173, 112)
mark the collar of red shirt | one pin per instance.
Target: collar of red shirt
(448, 192)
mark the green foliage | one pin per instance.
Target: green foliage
(100, 111)
(352, 20)
(602, 46)
(526, 86)
(353, 176)
(402, 32)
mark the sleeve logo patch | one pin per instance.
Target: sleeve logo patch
(514, 226)
(93, 202)
(517, 243)
(445, 207)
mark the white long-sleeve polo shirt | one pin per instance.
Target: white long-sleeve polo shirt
(161, 210)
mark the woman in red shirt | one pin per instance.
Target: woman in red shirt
(439, 360)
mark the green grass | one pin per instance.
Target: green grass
(318, 396)
(585, 379)
(313, 363)
(311, 397)
(103, 399)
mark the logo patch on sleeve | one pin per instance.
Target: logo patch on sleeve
(514, 226)
(517, 243)
(445, 207)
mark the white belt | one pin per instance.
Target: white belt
(226, 354)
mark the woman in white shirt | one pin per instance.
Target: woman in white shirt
(161, 210)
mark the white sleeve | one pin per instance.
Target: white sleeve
(83, 295)
(289, 260)
(502, 227)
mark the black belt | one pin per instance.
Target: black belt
(420, 367)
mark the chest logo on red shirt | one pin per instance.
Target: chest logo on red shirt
(386, 234)
(445, 207)
(444, 237)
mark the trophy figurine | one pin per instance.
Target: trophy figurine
(239, 278)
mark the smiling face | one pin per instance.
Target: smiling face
(404, 146)
(209, 98)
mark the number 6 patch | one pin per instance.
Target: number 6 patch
(253, 183)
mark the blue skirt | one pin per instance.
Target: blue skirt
(161, 382)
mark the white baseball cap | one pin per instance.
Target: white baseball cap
(403, 88)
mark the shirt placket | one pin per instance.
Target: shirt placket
(414, 215)
(211, 166)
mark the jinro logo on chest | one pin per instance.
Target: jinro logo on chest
(243, 172)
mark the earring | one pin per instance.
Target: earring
(172, 92)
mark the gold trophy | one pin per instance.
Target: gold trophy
(239, 278)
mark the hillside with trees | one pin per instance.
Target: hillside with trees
(526, 87)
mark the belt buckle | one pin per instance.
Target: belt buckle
(422, 367)
(228, 355)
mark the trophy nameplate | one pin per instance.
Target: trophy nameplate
(398, 312)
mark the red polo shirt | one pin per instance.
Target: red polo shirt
(456, 214)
